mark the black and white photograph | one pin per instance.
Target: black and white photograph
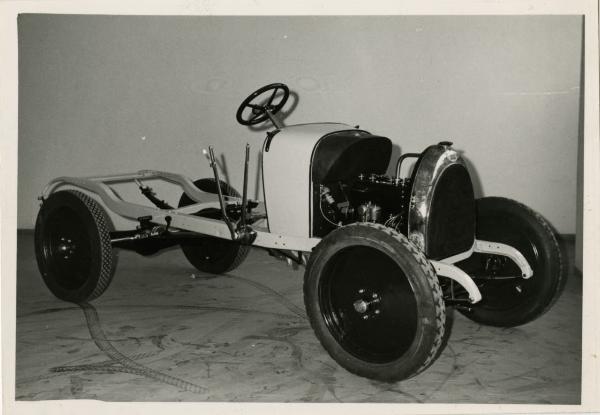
(303, 208)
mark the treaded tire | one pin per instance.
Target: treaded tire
(509, 303)
(404, 328)
(72, 246)
(208, 253)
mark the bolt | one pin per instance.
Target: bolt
(375, 295)
(519, 289)
(366, 317)
(377, 311)
(362, 290)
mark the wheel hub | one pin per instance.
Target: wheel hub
(66, 247)
(360, 306)
(494, 264)
(367, 304)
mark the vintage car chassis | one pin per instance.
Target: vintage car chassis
(384, 256)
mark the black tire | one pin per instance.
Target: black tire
(72, 246)
(370, 270)
(515, 301)
(208, 253)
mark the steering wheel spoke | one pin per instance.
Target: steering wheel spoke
(270, 101)
(256, 116)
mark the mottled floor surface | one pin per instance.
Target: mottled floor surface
(164, 332)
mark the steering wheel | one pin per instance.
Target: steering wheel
(260, 109)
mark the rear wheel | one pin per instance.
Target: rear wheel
(72, 246)
(374, 302)
(208, 253)
(509, 300)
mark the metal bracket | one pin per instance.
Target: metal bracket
(458, 275)
(274, 119)
(401, 159)
(497, 248)
(446, 269)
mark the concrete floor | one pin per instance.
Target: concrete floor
(165, 332)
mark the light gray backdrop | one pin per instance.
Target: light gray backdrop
(111, 94)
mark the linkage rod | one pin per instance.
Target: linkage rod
(226, 219)
(245, 192)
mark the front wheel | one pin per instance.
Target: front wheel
(509, 300)
(73, 247)
(374, 302)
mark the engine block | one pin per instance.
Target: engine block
(367, 198)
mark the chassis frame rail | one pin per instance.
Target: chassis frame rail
(180, 218)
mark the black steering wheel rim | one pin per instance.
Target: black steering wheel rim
(259, 111)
